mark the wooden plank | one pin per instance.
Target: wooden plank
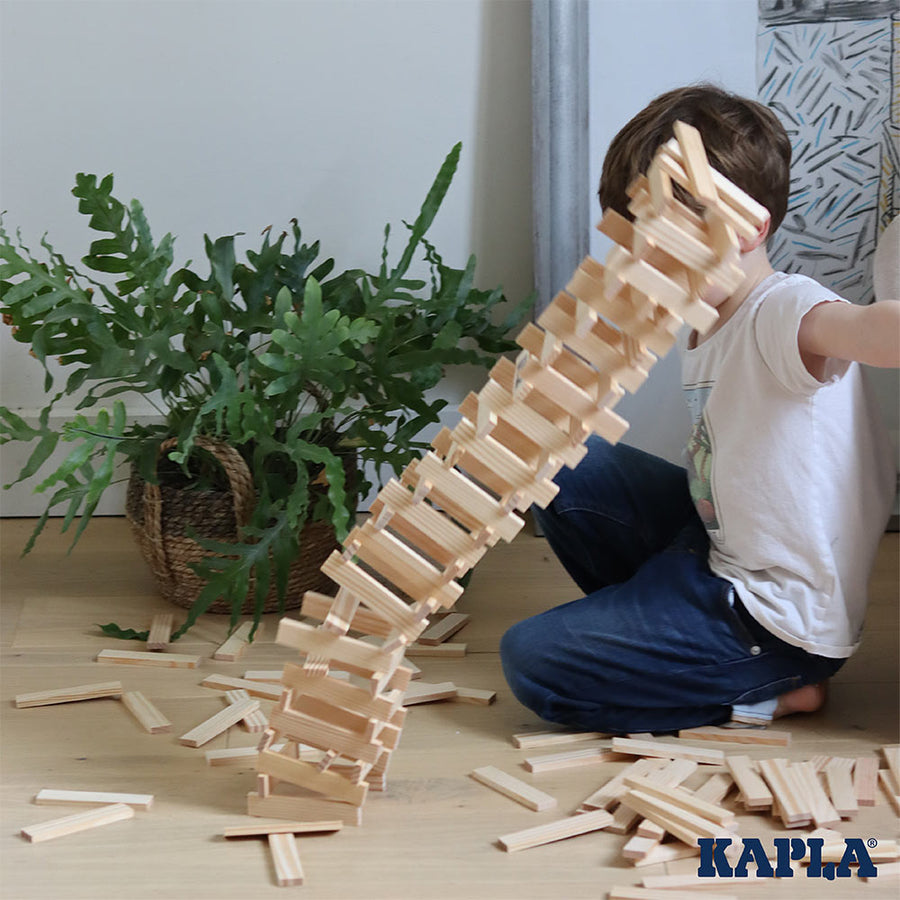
(684, 825)
(762, 736)
(81, 821)
(571, 759)
(890, 787)
(160, 631)
(637, 847)
(536, 739)
(839, 780)
(236, 644)
(308, 775)
(47, 796)
(253, 722)
(669, 775)
(137, 658)
(215, 725)
(424, 692)
(272, 676)
(265, 828)
(444, 629)
(623, 892)
(793, 808)
(865, 780)
(289, 806)
(823, 812)
(892, 756)
(608, 794)
(69, 694)
(238, 756)
(476, 696)
(150, 718)
(690, 880)
(514, 788)
(260, 689)
(310, 730)
(755, 794)
(445, 651)
(667, 750)
(686, 800)
(559, 830)
(286, 859)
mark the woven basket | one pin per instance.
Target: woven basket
(161, 516)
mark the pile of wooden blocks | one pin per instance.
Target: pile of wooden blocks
(596, 340)
(647, 802)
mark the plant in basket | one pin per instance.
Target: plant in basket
(277, 380)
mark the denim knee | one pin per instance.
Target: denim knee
(517, 650)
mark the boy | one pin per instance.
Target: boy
(734, 589)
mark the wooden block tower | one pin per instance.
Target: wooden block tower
(598, 339)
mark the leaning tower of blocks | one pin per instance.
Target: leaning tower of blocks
(597, 339)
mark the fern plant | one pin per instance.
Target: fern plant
(285, 360)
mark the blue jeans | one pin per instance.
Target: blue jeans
(658, 642)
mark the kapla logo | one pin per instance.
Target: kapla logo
(714, 859)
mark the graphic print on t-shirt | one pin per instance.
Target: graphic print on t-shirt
(699, 456)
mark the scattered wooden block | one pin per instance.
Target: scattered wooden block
(476, 696)
(638, 847)
(48, 796)
(536, 739)
(265, 828)
(686, 800)
(82, 821)
(449, 651)
(514, 788)
(571, 759)
(754, 792)
(308, 776)
(269, 676)
(572, 826)
(160, 631)
(255, 721)
(865, 780)
(892, 756)
(823, 812)
(137, 658)
(423, 692)
(444, 629)
(666, 853)
(607, 796)
(671, 774)
(288, 870)
(891, 788)
(150, 718)
(236, 645)
(795, 809)
(667, 750)
(260, 689)
(674, 882)
(215, 725)
(70, 694)
(839, 779)
(761, 736)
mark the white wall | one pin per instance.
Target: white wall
(230, 115)
(639, 49)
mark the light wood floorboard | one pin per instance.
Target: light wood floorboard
(431, 835)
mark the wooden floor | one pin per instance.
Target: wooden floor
(431, 835)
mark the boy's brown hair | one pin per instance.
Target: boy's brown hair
(744, 140)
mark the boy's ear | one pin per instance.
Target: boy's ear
(762, 233)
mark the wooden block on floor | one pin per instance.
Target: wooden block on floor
(667, 750)
(137, 658)
(754, 792)
(839, 779)
(892, 756)
(48, 796)
(286, 859)
(260, 689)
(669, 775)
(514, 788)
(865, 780)
(637, 847)
(254, 722)
(795, 810)
(270, 676)
(890, 787)
(215, 725)
(572, 759)
(683, 799)
(476, 696)
(281, 827)
(424, 692)
(536, 739)
(446, 651)
(294, 806)
(623, 892)
(444, 629)
(572, 826)
(160, 631)
(150, 718)
(82, 821)
(607, 795)
(762, 736)
(69, 694)
(823, 812)
(236, 644)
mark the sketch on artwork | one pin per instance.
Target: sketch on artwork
(830, 71)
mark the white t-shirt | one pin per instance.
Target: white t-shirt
(793, 477)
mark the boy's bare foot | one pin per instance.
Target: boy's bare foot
(808, 698)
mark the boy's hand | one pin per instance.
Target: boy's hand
(865, 334)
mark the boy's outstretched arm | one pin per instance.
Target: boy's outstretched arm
(865, 334)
